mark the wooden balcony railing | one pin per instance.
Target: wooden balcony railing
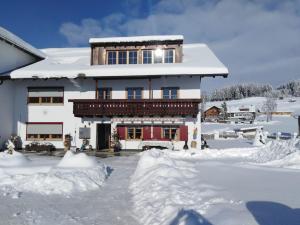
(144, 107)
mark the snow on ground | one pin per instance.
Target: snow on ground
(278, 124)
(72, 174)
(228, 186)
(110, 204)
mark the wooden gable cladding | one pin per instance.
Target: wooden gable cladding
(99, 50)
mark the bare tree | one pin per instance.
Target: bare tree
(269, 106)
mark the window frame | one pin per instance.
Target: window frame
(134, 94)
(126, 57)
(147, 50)
(164, 56)
(107, 57)
(170, 128)
(40, 98)
(38, 136)
(134, 133)
(170, 92)
(106, 90)
(136, 58)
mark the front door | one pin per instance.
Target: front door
(103, 136)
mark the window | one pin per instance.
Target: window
(170, 92)
(147, 56)
(44, 131)
(158, 55)
(169, 56)
(134, 133)
(45, 95)
(170, 133)
(122, 59)
(132, 57)
(104, 93)
(111, 57)
(134, 93)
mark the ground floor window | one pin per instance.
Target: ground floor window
(156, 132)
(171, 133)
(44, 131)
(134, 133)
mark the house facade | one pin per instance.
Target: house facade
(212, 113)
(242, 113)
(145, 89)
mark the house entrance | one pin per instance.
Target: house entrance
(103, 136)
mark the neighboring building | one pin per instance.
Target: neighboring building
(241, 113)
(212, 113)
(146, 88)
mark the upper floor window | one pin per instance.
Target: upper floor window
(45, 95)
(111, 57)
(132, 57)
(134, 93)
(122, 57)
(169, 56)
(104, 93)
(147, 56)
(170, 92)
(158, 55)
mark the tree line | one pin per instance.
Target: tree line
(240, 91)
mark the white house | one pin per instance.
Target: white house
(241, 113)
(147, 88)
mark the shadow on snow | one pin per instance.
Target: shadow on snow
(189, 217)
(272, 213)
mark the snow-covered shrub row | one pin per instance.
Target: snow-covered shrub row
(164, 187)
(75, 172)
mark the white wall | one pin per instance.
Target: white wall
(12, 58)
(6, 110)
(188, 86)
(85, 89)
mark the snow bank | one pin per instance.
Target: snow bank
(163, 187)
(72, 174)
(15, 159)
(280, 154)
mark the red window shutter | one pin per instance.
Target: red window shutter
(157, 133)
(147, 133)
(183, 133)
(121, 132)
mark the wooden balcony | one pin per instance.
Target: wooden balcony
(144, 107)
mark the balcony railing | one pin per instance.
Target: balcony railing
(144, 107)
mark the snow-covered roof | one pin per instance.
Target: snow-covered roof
(136, 39)
(13, 39)
(198, 59)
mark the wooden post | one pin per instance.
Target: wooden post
(96, 91)
(298, 125)
(150, 88)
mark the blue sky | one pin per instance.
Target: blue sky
(38, 21)
(258, 40)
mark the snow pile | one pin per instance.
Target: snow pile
(279, 154)
(77, 160)
(72, 174)
(15, 159)
(275, 150)
(164, 187)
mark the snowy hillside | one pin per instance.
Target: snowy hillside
(282, 105)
